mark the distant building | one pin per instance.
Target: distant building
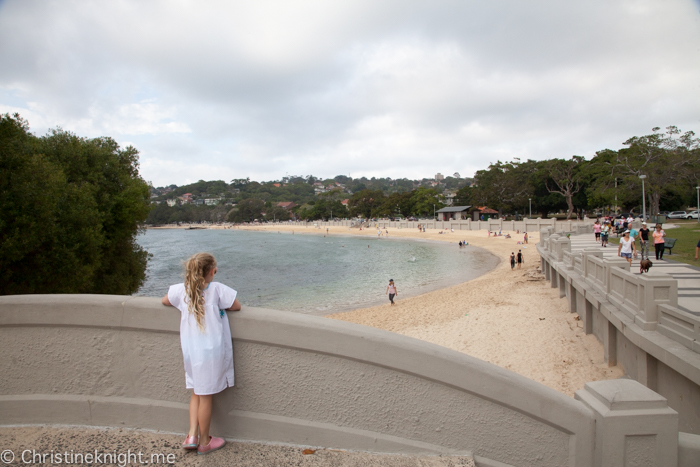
(439, 176)
(453, 213)
(172, 202)
(449, 197)
(186, 198)
(345, 202)
(287, 205)
(212, 201)
(484, 212)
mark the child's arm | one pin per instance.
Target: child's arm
(165, 301)
(235, 307)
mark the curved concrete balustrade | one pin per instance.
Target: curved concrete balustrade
(104, 360)
(635, 317)
(116, 361)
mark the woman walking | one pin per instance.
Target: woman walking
(626, 247)
(658, 236)
(391, 291)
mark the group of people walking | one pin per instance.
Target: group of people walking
(627, 247)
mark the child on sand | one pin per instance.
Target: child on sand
(205, 337)
(391, 290)
(512, 261)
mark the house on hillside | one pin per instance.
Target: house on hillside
(287, 205)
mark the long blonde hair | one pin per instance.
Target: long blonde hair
(197, 267)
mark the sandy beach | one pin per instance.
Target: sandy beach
(511, 318)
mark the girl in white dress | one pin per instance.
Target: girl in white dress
(207, 348)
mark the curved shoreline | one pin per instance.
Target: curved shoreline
(443, 285)
(509, 318)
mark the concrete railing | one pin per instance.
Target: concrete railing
(306, 380)
(526, 225)
(637, 319)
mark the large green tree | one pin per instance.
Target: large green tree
(71, 210)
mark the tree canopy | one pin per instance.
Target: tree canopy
(71, 210)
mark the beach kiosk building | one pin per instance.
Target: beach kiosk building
(487, 213)
(453, 213)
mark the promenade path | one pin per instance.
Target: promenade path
(688, 276)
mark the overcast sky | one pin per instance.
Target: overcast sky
(233, 89)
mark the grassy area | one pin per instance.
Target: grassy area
(687, 235)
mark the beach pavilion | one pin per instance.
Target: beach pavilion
(453, 213)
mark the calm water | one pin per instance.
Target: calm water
(311, 273)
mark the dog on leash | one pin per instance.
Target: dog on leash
(644, 266)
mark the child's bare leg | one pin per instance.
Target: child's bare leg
(204, 418)
(194, 409)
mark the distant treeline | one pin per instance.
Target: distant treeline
(669, 160)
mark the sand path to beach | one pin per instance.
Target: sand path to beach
(503, 316)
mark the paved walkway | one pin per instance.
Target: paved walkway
(27, 444)
(688, 276)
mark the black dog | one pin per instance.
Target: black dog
(644, 266)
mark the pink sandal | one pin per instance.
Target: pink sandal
(191, 442)
(214, 444)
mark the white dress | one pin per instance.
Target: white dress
(208, 354)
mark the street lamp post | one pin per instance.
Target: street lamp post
(434, 218)
(697, 189)
(644, 200)
(530, 200)
(616, 197)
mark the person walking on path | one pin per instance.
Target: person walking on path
(697, 249)
(604, 233)
(520, 258)
(644, 241)
(391, 290)
(512, 261)
(205, 337)
(626, 247)
(596, 230)
(659, 235)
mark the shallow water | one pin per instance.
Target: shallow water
(311, 273)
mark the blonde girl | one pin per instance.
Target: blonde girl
(207, 348)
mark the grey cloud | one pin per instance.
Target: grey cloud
(398, 88)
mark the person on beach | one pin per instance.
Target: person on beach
(644, 241)
(658, 236)
(626, 247)
(205, 337)
(520, 258)
(525, 238)
(512, 261)
(391, 291)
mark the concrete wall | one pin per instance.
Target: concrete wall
(527, 225)
(116, 361)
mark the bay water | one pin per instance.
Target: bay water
(311, 273)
